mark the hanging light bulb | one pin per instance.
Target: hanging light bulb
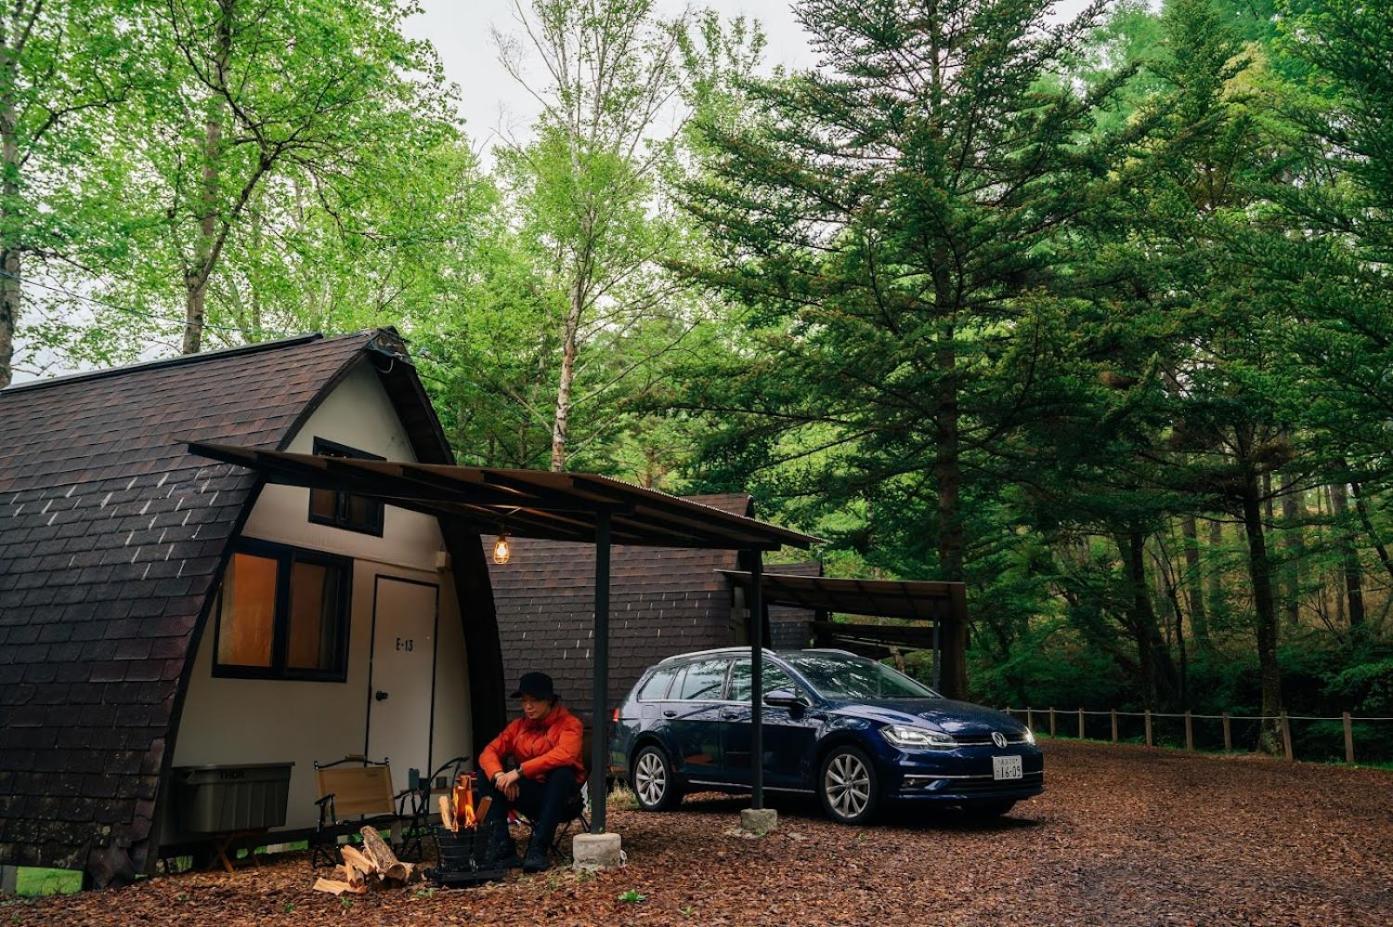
(502, 550)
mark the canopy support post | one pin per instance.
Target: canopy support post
(757, 679)
(599, 745)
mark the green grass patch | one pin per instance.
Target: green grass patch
(32, 881)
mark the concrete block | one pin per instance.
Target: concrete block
(759, 821)
(596, 851)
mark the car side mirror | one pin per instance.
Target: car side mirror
(784, 698)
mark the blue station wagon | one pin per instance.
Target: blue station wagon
(855, 732)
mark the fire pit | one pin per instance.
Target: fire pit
(462, 840)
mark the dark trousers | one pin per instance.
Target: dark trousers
(543, 802)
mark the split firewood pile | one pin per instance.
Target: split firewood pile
(374, 866)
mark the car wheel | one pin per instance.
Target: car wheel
(848, 786)
(986, 811)
(652, 780)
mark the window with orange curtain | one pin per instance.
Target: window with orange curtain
(283, 613)
(247, 619)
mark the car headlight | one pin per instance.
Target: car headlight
(1030, 737)
(917, 737)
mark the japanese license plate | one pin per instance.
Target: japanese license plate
(1006, 767)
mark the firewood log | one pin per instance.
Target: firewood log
(447, 813)
(359, 866)
(336, 887)
(380, 852)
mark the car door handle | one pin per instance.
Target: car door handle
(729, 715)
(669, 713)
(380, 695)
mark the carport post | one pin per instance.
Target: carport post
(757, 680)
(599, 744)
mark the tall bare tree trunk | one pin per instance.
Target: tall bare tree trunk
(10, 291)
(562, 417)
(1349, 556)
(1194, 593)
(1158, 671)
(947, 471)
(1294, 547)
(1260, 572)
(206, 247)
(1214, 579)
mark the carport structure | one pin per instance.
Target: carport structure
(563, 506)
(942, 604)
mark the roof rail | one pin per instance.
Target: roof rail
(846, 653)
(704, 653)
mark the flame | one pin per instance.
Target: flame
(464, 801)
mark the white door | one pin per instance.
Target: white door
(401, 683)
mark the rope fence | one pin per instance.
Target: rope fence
(1063, 718)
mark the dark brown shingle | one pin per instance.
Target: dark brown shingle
(111, 535)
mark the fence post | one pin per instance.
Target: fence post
(1286, 737)
(1080, 724)
(1228, 734)
(1051, 722)
(1148, 727)
(1189, 732)
(1030, 718)
(1113, 712)
(1349, 739)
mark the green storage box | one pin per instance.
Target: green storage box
(222, 799)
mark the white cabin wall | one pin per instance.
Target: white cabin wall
(257, 720)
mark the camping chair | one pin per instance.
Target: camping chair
(576, 810)
(356, 791)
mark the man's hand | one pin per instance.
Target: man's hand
(507, 783)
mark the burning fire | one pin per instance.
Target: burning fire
(464, 801)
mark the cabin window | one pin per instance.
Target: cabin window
(341, 509)
(283, 614)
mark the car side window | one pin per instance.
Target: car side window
(655, 689)
(702, 681)
(774, 678)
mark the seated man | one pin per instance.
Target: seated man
(534, 766)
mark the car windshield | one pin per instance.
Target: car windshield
(838, 676)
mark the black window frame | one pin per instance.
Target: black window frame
(323, 447)
(286, 556)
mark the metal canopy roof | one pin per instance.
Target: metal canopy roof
(884, 598)
(524, 503)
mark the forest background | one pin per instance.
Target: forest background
(1090, 311)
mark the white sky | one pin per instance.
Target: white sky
(491, 100)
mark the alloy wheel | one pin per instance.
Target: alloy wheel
(848, 785)
(650, 779)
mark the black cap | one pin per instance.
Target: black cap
(537, 685)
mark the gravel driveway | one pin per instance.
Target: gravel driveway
(1122, 835)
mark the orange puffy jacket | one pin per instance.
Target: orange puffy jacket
(538, 746)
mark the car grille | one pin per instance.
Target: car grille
(979, 740)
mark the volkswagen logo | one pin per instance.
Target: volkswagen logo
(998, 738)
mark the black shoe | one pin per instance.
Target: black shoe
(536, 861)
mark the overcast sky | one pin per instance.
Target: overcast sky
(460, 30)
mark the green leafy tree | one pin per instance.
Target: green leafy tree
(893, 222)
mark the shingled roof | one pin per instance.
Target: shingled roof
(111, 537)
(662, 601)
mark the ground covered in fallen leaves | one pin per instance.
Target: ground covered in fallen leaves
(1122, 835)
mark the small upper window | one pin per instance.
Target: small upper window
(282, 613)
(341, 509)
